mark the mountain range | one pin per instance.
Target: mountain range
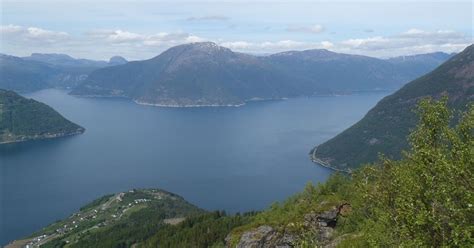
(205, 74)
(385, 127)
(40, 71)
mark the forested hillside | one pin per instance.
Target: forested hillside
(23, 119)
(385, 128)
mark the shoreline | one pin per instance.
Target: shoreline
(255, 99)
(186, 105)
(320, 162)
(47, 137)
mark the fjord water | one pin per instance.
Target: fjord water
(236, 159)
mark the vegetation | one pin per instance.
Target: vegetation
(117, 220)
(385, 127)
(24, 119)
(205, 230)
(424, 199)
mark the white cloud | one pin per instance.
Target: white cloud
(273, 46)
(158, 39)
(408, 42)
(21, 34)
(315, 29)
(136, 45)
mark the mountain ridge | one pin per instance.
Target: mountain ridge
(206, 74)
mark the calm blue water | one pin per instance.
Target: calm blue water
(236, 159)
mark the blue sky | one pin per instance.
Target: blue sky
(142, 29)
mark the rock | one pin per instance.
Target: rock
(265, 236)
(323, 224)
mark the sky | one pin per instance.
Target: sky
(142, 29)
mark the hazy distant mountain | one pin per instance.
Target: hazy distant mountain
(65, 60)
(24, 119)
(338, 72)
(40, 71)
(117, 60)
(420, 64)
(385, 127)
(23, 75)
(207, 74)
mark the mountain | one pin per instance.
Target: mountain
(23, 119)
(22, 75)
(336, 72)
(419, 64)
(202, 74)
(64, 60)
(191, 74)
(385, 127)
(117, 60)
(41, 71)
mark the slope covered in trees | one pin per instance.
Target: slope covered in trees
(385, 127)
(24, 119)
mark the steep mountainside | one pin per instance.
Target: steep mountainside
(207, 74)
(385, 127)
(24, 119)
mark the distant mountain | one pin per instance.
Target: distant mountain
(40, 71)
(191, 74)
(65, 60)
(202, 74)
(419, 64)
(385, 127)
(23, 75)
(23, 119)
(117, 60)
(337, 72)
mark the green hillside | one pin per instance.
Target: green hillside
(23, 119)
(385, 127)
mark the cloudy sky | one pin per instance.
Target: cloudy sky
(142, 29)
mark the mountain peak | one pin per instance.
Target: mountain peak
(206, 46)
(117, 60)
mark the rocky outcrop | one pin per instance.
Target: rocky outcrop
(266, 236)
(320, 225)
